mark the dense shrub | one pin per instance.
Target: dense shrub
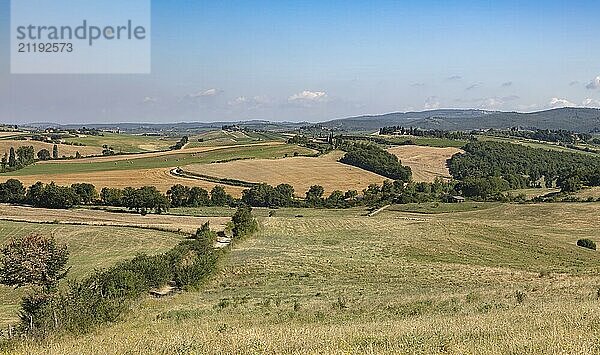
(243, 222)
(586, 243)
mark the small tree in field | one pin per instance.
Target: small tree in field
(33, 260)
(243, 222)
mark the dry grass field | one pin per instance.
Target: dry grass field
(426, 163)
(160, 177)
(300, 172)
(593, 192)
(187, 224)
(63, 149)
(126, 143)
(507, 279)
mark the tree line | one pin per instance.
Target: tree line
(545, 135)
(417, 132)
(513, 166)
(23, 156)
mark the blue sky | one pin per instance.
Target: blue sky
(319, 60)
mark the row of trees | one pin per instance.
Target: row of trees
(19, 158)
(417, 132)
(520, 165)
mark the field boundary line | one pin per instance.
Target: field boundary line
(377, 211)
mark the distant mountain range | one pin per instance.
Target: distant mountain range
(582, 120)
(572, 119)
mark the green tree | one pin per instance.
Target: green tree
(179, 195)
(111, 197)
(205, 235)
(218, 196)
(33, 260)
(12, 191)
(570, 184)
(25, 155)
(243, 222)
(55, 152)
(86, 192)
(314, 195)
(4, 161)
(44, 154)
(198, 197)
(12, 158)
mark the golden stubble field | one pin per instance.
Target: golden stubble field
(159, 177)
(426, 163)
(508, 279)
(300, 172)
(63, 149)
(187, 224)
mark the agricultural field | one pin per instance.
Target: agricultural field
(425, 141)
(534, 144)
(186, 224)
(90, 247)
(593, 192)
(502, 279)
(534, 192)
(126, 143)
(300, 172)
(219, 138)
(426, 163)
(147, 169)
(63, 149)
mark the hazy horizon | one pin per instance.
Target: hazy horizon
(318, 61)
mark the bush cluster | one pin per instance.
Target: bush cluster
(586, 243)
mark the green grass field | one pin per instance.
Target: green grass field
(507, 279)
(126, 143)
(177, 158)
(218, 138)
(90, 248)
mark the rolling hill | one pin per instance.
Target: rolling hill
(573, 119)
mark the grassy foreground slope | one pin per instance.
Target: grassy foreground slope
(90, 247)
(506, 279)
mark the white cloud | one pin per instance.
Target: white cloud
(491, 103)
(454, 78)
(556, 102)
(589, 102)
(474, 86)
(149, 100)
(507, 84)
(205, 93)
(250, 102)
(309, 96)
(594, 84)
(432, 103)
